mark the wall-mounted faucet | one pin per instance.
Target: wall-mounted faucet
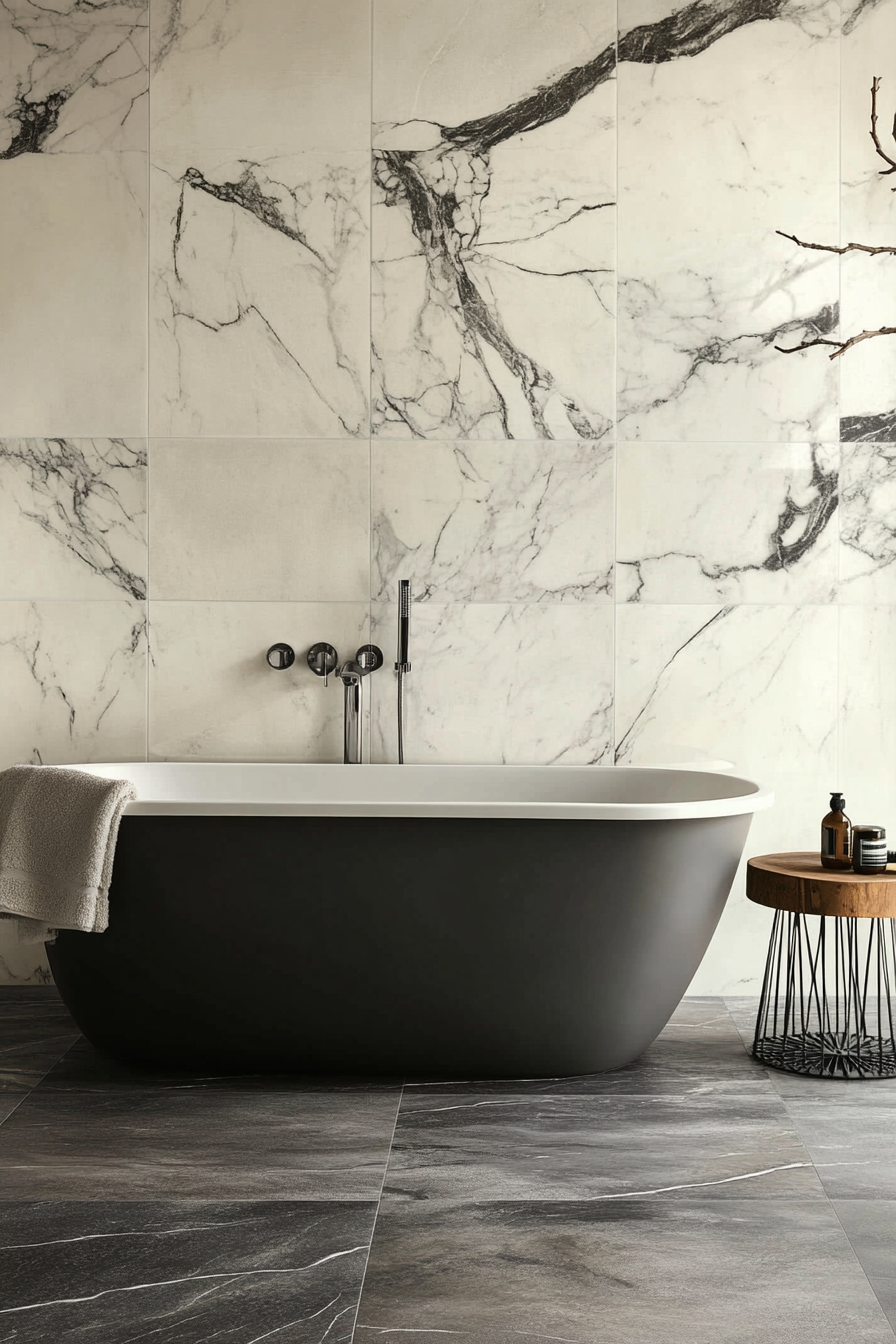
(323, 659)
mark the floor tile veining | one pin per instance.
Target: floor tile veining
(692, 1197)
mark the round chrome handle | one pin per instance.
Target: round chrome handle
(280, 656)
(369, 658)
(322, 659)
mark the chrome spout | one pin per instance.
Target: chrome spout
(352, 673)
(352, 678)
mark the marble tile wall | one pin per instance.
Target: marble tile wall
(572, 238)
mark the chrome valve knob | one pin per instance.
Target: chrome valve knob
(280, 656)
(323, 659)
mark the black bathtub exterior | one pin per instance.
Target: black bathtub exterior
(405, 946)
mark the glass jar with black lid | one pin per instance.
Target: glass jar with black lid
(869, 849)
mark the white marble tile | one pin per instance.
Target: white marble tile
(255, 520)
(260, 296)
(868, 523)
(73, 295)
(214, 697)
(21, 963)
(443, 63)
(868, 369)
(249, 77)
(745, 522)
(869, 38)
(74, 682)
(72, 518)
(733, 129)
(493, 223)
(868, 714)
(74, 77)
(260, 207)
(499, 684)
(727, 132)
(477, 522)
(754, 684)
(700, 320)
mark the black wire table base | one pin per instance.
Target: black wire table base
(826, 1008)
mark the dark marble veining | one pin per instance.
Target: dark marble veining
(88, 498)
(79, 69)
(186, 1272)
(868, 428)
(194, 1145)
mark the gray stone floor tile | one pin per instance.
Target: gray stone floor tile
(498, 1147)
(870, 1225)
(85, 1069)
(699, 1052)
(9, 1102)
(187, 1145)
(34, 1034)
(634, 1272)
(851, 1138)
(885, 1290)
(116, 1273)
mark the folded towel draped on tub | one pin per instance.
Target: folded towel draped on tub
(57, 841)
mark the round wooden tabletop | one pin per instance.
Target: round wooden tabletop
(798, 882)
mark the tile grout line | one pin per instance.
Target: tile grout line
(377, 1213)
(41, 1079)
(859, 1262)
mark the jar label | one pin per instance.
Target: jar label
(872, 853)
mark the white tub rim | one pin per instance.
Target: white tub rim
(252, 788)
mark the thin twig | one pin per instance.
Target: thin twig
(829, 247)
(842, 346)
(884, 172)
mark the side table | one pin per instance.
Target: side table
(826, 1008)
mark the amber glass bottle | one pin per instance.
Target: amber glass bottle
(836, 835)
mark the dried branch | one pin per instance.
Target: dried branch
(829, 247)
(842, 346)
(884, 172)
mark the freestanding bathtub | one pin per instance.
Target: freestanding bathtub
(441, 920)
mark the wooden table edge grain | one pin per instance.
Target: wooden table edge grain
(797, 882)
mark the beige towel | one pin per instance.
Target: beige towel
(57, 841)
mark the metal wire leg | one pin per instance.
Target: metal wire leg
(826, 1007)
